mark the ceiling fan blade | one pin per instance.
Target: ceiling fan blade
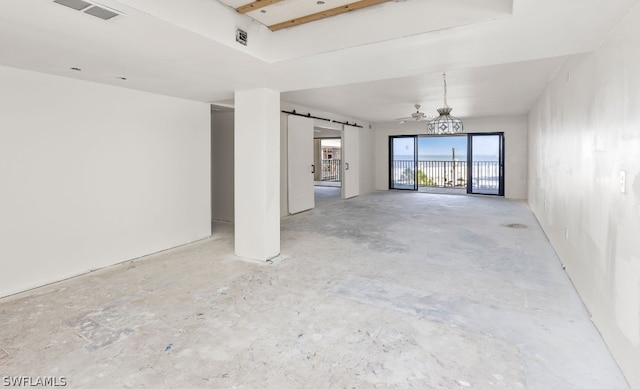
(416, 116)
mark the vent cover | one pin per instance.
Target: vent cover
(241, 37)
(89, 8)
(78, 5)
(101, 13)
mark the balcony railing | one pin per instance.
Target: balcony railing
(445, 173)
(331, 170)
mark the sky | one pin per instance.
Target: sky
(486, 145)
(442, 145)
(439, 145)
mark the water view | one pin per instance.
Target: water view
(443, 162)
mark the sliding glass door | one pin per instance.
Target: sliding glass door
(444, 167)
(485, 169)
(403, 151)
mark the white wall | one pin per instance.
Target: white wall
(583, 131)
(367, 156)
(515, 139)
(222, 166)
(367, 159)
(256, 163)
(92, 175)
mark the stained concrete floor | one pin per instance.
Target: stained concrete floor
(386, 290)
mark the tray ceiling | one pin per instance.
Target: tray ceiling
(279, 14)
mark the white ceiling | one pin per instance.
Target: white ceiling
(372, 64)
(505, 89)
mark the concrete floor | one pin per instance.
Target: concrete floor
(326, 194)
(388, 290)
(439, 190)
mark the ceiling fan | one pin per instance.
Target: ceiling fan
(416, 116)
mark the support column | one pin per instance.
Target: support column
(257, 174)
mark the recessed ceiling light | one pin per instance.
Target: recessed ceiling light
(264, 11)
(122, 78)
(319, 2)
(76, 69)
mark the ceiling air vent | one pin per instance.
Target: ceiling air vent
(241, 37)
(89, 8)
(78, 5)
(101, 13)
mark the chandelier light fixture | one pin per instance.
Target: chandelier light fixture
(445, 123)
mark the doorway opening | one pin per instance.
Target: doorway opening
(322, 161)
(328, 175)
(328, 156)
(442, 164)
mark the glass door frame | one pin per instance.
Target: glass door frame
(500, 163)
(415, 161)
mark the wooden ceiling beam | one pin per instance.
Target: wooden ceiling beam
(325, 14)
(256, 5)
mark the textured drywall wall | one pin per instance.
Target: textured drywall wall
(583, 131)
(367, 159)
(222, 166)
(92, 175)
(515, 139)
